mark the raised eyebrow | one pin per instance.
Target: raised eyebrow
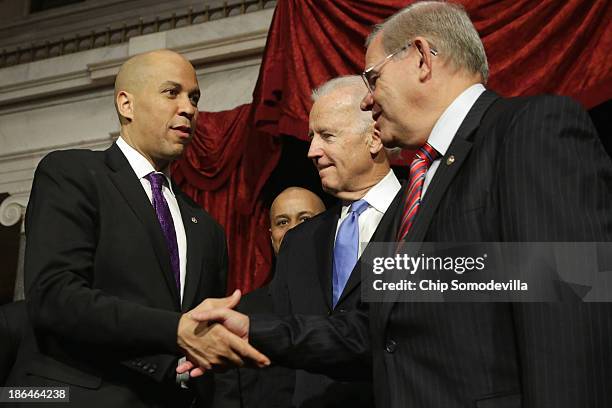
(171, 84)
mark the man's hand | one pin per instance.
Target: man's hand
(235, 322)
(208, 344)
(213, 303)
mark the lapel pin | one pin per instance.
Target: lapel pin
(450, 160)
(194, 220)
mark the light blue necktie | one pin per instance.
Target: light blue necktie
(346, 248)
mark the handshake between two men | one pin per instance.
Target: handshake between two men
(212, 335)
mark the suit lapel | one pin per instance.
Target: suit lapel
(384, 233)
(325, 235)
(124, 178)
(194, 254)
(450, 164)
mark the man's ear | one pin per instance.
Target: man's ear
(426, 58)
(375, 145)
(125, 105)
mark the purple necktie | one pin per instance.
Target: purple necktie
(164, 216)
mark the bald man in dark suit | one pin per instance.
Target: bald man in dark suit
(116, 254)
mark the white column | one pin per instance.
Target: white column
(12, 211)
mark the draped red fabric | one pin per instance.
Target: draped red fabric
(224, 170)
(545, 46)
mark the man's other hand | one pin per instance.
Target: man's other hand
(208, 344)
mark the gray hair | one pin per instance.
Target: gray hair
(354, 88)
(446, 26)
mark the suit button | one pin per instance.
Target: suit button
(391, 346)
(146, 367)
(342, 310)
(151, 370)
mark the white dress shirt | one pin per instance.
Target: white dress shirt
(447, 125)
(379, 198)
(142, 167)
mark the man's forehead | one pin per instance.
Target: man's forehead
(295, 207)
(375, 51)
(177, 72)
(167, 67)
(293, 201)
(329, 109)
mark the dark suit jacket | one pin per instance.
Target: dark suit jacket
(271, 387)
(99, 288)
(303, 285)
(524, 170)
(13, 324)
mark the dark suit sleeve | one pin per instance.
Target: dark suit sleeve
(13, 325)
(223, 262)
(62, 229)
(559, 182)
(278, 289)
(557, 176)
(338, 345)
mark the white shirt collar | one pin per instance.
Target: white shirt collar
(139, 163)
(447, 125)
(381, 195)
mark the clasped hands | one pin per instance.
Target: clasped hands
(213, 335)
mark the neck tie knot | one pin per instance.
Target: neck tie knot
(157, 180)
(427, 153)
(418, 170)
(359, 207)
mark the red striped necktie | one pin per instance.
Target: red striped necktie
(421, 162)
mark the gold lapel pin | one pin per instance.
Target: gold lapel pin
(194, 220)
(450, 160)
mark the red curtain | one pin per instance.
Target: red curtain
(223, 170)
(544, 46)
(533, 47)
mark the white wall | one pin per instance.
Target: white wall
(66, 102)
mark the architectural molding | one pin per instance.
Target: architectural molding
(93, 144)
(12, 209)
(17, 169)
(97, 17)
(240, 36)
(66, 102)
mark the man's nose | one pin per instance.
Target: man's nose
(367, 102)
(187, 108)
(314, 150)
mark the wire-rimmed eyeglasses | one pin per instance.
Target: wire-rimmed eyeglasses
(371, 74)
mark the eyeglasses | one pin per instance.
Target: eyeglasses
(371, 74)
